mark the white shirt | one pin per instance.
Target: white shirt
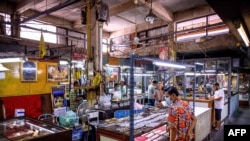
(219, 104)
(151, 89)
(137, 106)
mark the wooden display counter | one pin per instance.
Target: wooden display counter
(202, 128)
(206, 103)
(200, 102)
(243, 99)
(116, 131)
(107, 135)
(29, 129)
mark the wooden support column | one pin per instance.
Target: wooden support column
(172, 52)
(89, 54)
(94, 53)
(15, 28)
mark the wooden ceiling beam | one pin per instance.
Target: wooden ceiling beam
(50, 19)
(121, 8)
(159, 11)
(25, 5)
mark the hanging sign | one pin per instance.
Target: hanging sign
(78, 56)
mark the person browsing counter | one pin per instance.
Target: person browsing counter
(181, 119)
(151, 91)
(218, 104)
(123, 88)
(158, 94)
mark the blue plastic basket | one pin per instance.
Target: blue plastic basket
(125, 113)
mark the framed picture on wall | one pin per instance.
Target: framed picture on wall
(57, 73)
(29, 71)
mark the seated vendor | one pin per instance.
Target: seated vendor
(201, 87)
(116, 92)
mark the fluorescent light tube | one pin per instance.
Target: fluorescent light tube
(243, 35)
(198, 63)
(10, 60)
(191, 73)
(210, 71)
(172, 65)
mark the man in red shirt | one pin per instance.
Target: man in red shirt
(181, 118)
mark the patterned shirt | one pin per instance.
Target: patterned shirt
(180, 114)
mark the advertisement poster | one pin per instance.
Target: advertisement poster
(57, 96)
(163, 53)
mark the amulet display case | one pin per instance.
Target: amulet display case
(28, 129)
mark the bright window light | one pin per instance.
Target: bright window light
(6, 18)
(190, 36)
(104, 45)
(203, 22)
(35, 34)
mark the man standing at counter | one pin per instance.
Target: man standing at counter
(151, 91)
(218, 104)
(181, 118)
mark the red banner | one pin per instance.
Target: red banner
(163, 53)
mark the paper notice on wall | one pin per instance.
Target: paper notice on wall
(2, 75)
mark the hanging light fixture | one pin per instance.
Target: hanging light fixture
(151, 17)
(2, 68)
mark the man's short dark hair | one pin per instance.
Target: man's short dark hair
(216, 84)
(154, 82)
(116, 84)
(171, 90)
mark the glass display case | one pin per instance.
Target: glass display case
(209, 71)
(243, 90)
(24, 128)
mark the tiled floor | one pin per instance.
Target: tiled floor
(242, 117)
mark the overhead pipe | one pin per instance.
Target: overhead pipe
(53, 9)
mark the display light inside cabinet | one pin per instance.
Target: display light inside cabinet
(242, 32)
(138, 74)
(167, 64)
(2, 68)
(62, 62)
